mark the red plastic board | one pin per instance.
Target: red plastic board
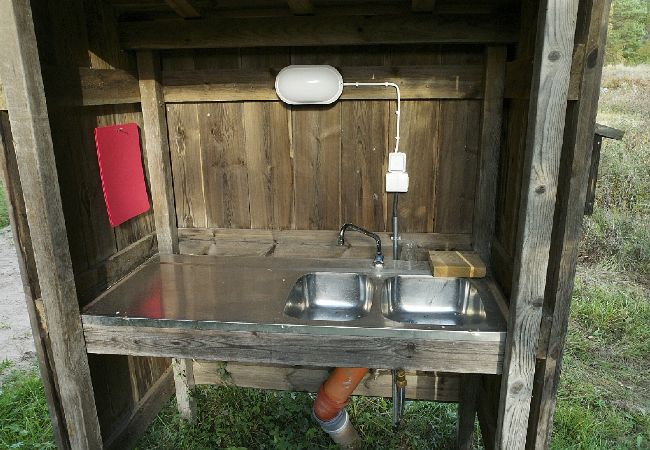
(120, 168)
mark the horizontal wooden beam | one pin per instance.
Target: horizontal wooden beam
(183, 8)
(96, 279)
(423, 5)
(301, 7)
(416, 82)
(316, 30)
(296, 349)
(609, 132)
(433, 386)
(313, 244)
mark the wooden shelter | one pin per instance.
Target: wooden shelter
(498, 118)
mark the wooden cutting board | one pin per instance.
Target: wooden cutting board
(456, 264)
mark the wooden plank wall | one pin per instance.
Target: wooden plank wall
(264, 165)
(74, 34)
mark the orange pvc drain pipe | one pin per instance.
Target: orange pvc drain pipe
(329, 406)
(335, 392)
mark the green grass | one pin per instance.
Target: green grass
(24, 420)
(231, 417)
(4, 216)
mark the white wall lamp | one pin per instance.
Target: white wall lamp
(323, 85)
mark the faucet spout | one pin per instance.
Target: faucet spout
(379, 256)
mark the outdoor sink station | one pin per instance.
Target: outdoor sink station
(259, 194)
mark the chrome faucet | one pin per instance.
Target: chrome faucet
(379, 256)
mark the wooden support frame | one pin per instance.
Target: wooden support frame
(550, 85)
(301, 7)
(20, 71)
(160, 173)
(486, 190)
(317, 30)
(567, 223)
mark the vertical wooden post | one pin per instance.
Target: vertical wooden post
(160, 175)
(20, 71)
(572, 191)
(467, 405)
(486, 188)
(548, 100)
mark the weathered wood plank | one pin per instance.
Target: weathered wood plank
(224, 164)
(186, 158)
(301, 7)
(437, 386)
(364, 151)
(457, 166)
(267, 143)
(490, 146)
(592, 31)
(316, 148)
(184, 383)
(97, 278)
(158, 155)
(423, 5)
(183, 8)
(296, 349)
(467, 406)
(10, 180)
(21, 74)
(317, 30)
(416, 83)
(552, 66)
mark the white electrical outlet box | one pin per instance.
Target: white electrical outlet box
(397, 182)
(397, 162)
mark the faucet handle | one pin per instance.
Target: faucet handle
(379, 260)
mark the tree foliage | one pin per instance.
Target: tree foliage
(628, 40)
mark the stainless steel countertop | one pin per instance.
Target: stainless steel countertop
(249, 294)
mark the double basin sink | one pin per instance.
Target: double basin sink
(407, 299)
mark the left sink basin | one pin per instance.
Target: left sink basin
(337, 297)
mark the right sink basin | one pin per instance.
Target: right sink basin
(425, 300)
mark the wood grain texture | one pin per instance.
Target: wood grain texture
(186, 160)
(555, 33)
(416, 82)
(456, 264)
(316, 30)
(316, 148)
(467, 407)
(99, 277)
(25, 96)
(574, 171)
(458, 165)
(296, 349)
(158, 155)
(435, 386)
(301, 7)
(225, 175)
(489, 148)
(184, 383)
(267, 142)
(364, 151)
(183, 8)
(423, 5)
(10, 180)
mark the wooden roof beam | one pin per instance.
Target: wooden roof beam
(301, 7)
(215, 32)
(184, 8)
(423, 5)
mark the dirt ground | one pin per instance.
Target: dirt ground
(16, 343)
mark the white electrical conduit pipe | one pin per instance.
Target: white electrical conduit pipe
(399, 99)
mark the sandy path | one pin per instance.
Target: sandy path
(16, 343)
